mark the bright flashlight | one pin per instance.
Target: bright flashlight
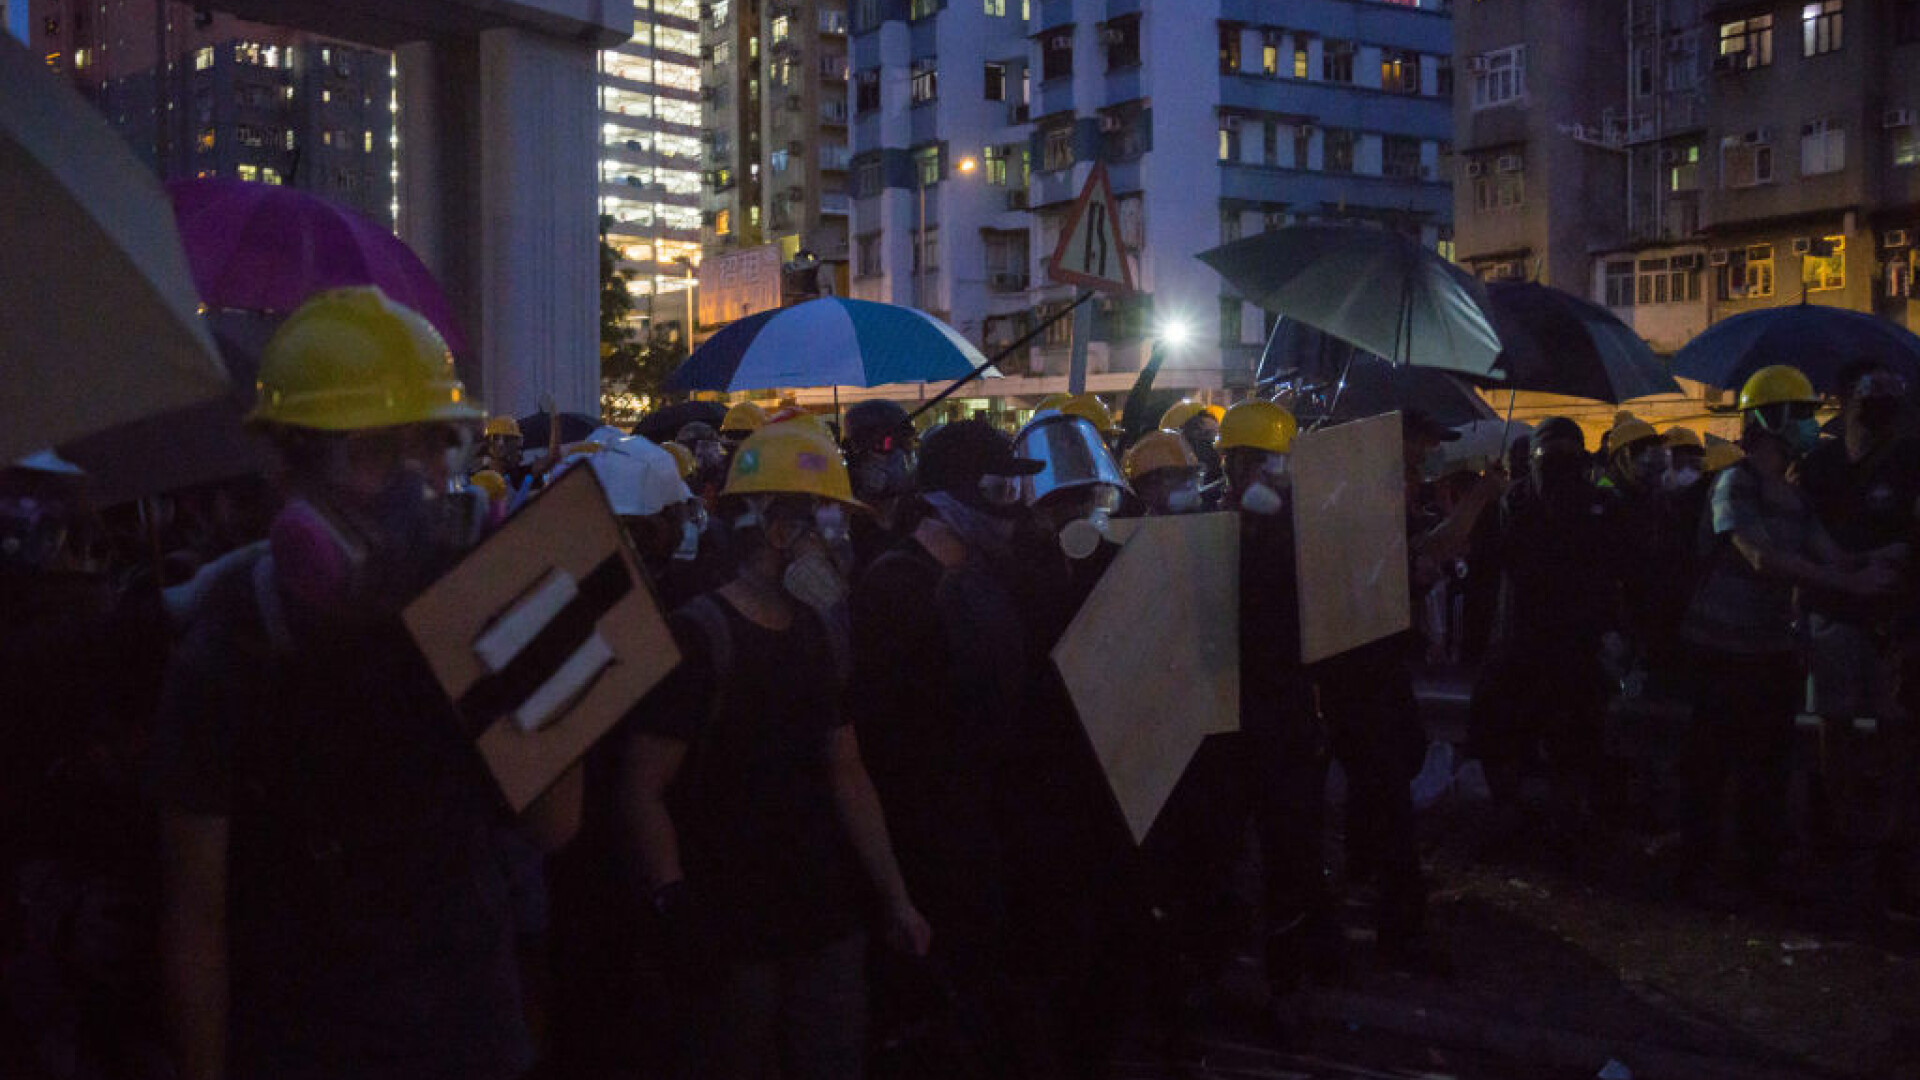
(1175, 332)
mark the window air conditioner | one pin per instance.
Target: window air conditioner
(1112, 36)
(1717, 258)
(1802, 245)
(1476, 65)
(1685, 262)
(1230, 123)
(1060, 41)
(1896, 238)
(1274, 38)
(1111, 123)
(1476, 168)
(1511, 163)
(1896, 118)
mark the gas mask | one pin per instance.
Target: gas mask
(1649, 466)
(375, 558)
(1265, 496)
(999, 496)
(883, 475)
(690, 531)
(1680, 478)
(814, 575)
(1184, 499)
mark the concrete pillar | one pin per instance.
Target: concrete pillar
(499, 149)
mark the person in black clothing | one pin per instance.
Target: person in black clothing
(1865, 488)
(1541, 697)
(759, 834)
(335, 900)
(880, 443)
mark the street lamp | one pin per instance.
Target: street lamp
(966, 165)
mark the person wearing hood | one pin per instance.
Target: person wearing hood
(1767, 540)
(773, 855)
(881, 445)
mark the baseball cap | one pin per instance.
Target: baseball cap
(957, 455)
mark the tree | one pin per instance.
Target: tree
(632, 366)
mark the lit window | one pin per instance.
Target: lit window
(1745, 44)
(366, 143)
(1825, 264)
(1823, 147)
(1820, 27)
(248, 172)
(925, 84)
(722, 222)
(996, 7)
(203, 58)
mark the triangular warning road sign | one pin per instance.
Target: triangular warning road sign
(1090, 253)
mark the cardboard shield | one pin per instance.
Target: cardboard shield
(1350, 535)
(545, 636)
(1154, 670)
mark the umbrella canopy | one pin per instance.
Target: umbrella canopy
(265, 247)
(101, 325)
(1338, 382)
(198, 444)
(1559, 343)
(663, 424)
(1371, 287)
(1817, 339)
(831, 341)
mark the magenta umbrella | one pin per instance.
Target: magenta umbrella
(265, 247)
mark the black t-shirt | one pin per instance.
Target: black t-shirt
(1561, 563)
(368, 921)
(765, 853)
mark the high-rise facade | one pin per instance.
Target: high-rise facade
(775, 91)
(976, 122)
(651, 135)
(1686, 160)
(198, 94)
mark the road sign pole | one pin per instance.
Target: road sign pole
(1082, 333)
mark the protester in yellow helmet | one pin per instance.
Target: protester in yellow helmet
(785, 829)
(742, 419)
(1090, 408)
(1637, 457)
(1686, 455)
(682, 459)
(1164, 473)
(1255, 439)
(313, 800)
(1053, 401)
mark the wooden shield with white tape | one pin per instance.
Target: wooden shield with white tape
(1350, 535)
(1152, 660)
(545, 636)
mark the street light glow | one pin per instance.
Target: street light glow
(1175, 332)
(967, 165)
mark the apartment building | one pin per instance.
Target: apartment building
(774, 87)
(1685, 160)
(200, 94)
(650, 160)
(976, 122)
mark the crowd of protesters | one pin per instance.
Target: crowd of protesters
(858, 829)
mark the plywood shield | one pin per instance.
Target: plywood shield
(545, 636)
(1350, 535)
(1152, 660)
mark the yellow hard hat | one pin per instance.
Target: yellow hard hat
(1627, 430)
(1258, 425)
(490, 482)
(1159, 450)
(502, 427)
(1179, 413)
(1721, 453)
(1093, 410)
(682, 458)
(790, 459)
(1681, 438)
(1217, 412)
(1053, 401)
(1777, 384)
(350, 359)
(746, 416)
(794, 414)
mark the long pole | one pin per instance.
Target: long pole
(920, 243)
(1001, 355)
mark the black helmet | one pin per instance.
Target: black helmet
(955, 456)
(868, 422)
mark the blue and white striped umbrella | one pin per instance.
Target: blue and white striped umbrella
(831, 341)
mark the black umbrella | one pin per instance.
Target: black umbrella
(574, 427)
(663, 424)
(1558, 343)
(1333, 381)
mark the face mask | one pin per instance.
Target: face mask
(1681, 478)
(1082, 536)
(883, 476)
(1802, 435)
(1262, 500)
(1184, 499)
(1000, 497)
(812, 579)
(376, 559)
